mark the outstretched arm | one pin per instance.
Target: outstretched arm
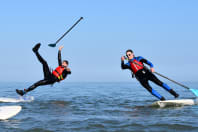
(59, 56)
(147, 62)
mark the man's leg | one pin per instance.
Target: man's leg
(35, 85)
(154, 79)
(146, 85)
(46, 70)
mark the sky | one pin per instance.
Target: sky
(164, 32)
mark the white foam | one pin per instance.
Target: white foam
(15, 100)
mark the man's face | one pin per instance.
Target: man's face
(129, 55)
(64, 64)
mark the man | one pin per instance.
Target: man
(59, 74)
(143, 75)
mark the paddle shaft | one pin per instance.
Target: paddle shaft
(164, 76)
(69, 30)
(172, 80)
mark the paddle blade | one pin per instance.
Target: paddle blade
(195, 91)
(52, 45)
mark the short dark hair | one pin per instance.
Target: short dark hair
(129, 50)
(66, 62)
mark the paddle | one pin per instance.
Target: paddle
(194, 91)
(54, 44)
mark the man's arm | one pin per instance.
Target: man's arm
(141, 59)
(124, 66)
(59, 56)
(68, 71)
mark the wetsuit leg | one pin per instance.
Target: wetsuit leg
(154, 79)
(39, 83)
(146, 85)
(46, 70)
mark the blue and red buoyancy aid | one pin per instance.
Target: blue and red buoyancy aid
(136, 65)
(58, 72)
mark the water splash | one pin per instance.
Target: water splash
(26, 98)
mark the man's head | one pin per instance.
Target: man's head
(65, 63)
(129, 54)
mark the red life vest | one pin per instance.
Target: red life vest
(136, 67)
(58, 72)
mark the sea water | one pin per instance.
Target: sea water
(98, 107)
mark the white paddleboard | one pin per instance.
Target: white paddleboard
(16, 100)
(173, 103)
(7, 112)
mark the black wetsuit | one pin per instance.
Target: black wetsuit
(49, 78)
(144, 75)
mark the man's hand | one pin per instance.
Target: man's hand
(152, 70)
(122, 58)
(68, 69)
(60, 48)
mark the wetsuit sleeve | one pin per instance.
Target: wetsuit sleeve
(65, 73)
(68, 72)
(59, 58)
(125, 66)
(141, 59)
